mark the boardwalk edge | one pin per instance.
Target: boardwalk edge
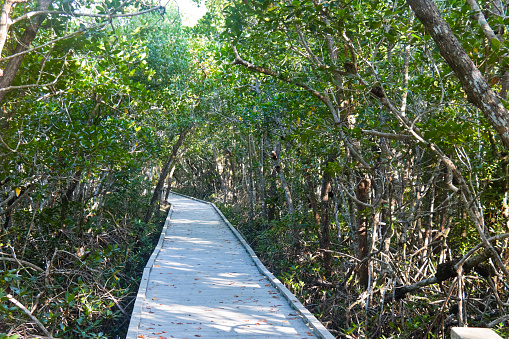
(134, 324)
(317, 327)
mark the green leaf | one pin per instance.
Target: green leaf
(495, 44)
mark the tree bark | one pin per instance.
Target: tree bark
(219, 170)
(164, 173)
(325, 219)
(362, 194)
(170, 177)
(286, 188)
(230, 159)
(67, 197)
(475, 86)
(26, 39)
(288, 195)
(272, 197)
(250, 182)
(263, 203)
(5, 21)
(312, 196)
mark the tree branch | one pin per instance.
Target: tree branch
(30, 315)
(21, 263)
(448, 269)
(479, 16)
(475, 86)
(20, 198)
(393, 136)
(81, 31)
(90, 15)
(239, 61)
(37, 83)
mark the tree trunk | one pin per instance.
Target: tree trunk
(271, 211)
(387, 230)
(324, 218)
(233, 181)
(24, 44)
(170, 177)
(288, 195)
(219, 170)
(164, 173)
(284, 183)
(67, 197)
(312, 197)
(362, 194)
(429, 224)
(475, 86)
(247, 181)
(252, 156)
(250, 182)
(262, 181)
(5, 21)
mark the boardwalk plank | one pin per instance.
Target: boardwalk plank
(203, 283)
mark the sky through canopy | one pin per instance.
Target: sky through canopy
(191, 11)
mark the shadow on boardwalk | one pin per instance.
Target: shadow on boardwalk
(202, 282)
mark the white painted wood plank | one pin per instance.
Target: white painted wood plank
(205, 283)
(473, 333)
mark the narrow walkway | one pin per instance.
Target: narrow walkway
(203, 283)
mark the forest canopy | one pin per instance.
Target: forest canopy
(360, 146)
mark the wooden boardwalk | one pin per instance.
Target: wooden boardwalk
(204, 281)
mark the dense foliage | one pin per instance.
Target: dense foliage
(350, 157)
(336, 135)
(82, 139)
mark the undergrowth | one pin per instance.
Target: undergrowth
(77, 275)
(337, 301)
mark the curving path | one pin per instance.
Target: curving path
(203, 280)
